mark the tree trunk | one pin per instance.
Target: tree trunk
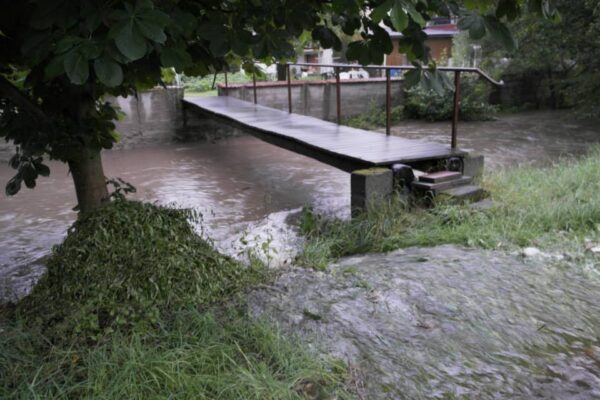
(90, 183)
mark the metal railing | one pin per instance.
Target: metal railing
(388, 92)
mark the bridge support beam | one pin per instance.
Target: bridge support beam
(368, 186)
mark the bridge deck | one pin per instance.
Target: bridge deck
(340, 146)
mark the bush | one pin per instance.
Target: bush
(425, 104)
(125, 265)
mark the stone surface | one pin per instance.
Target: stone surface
(440, 176)
(531, 252)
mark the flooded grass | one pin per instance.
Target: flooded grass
(556, 208)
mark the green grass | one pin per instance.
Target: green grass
(194, 355)
(201, 94)
(135, 305)
(556, 209)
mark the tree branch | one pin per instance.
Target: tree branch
(11, 92)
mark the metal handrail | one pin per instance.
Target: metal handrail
(388, 98)
(403, 68)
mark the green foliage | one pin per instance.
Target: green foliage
(429, 105)
(561, 52)
(167, 75)
(193, 354)
(555, 208)
(125, 265)
(205, 84)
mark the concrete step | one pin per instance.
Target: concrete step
(437, 187)
(440, 176)
(464, 193)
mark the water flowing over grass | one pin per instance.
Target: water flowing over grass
(136, 305)
(556, 208)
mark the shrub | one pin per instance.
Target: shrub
(129, 264)
(420, 103)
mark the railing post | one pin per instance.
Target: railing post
(254, 84)
(388, 102)
(456, 108)
(226, 85)
(338, 102)
(289, 88)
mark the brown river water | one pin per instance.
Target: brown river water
(493, 326)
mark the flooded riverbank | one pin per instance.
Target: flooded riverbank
(527, 138)
(244, 188)
(448, 322)
(239, 184)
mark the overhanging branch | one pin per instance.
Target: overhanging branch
(11, 92)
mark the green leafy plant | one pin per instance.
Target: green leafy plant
(430, 105)
(125, 265)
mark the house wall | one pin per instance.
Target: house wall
(440, 48)
(318, 98)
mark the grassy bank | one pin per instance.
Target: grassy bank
(136, 305)
(556, 209)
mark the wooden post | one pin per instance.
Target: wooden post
(226, 84)
(338, 103)
(289, 87)
(254, 84)
(456, 109)
(388, 102)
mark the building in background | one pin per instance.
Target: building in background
(314, 55)
(440, 33)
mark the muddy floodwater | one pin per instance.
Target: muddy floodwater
(443, 322)
(243, 187)
(530, 138)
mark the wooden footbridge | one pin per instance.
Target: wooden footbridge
(340, 146)
(369, 156)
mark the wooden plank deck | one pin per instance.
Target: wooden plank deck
(343, 147)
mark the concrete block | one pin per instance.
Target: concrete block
(473, 166)
(369, 186)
